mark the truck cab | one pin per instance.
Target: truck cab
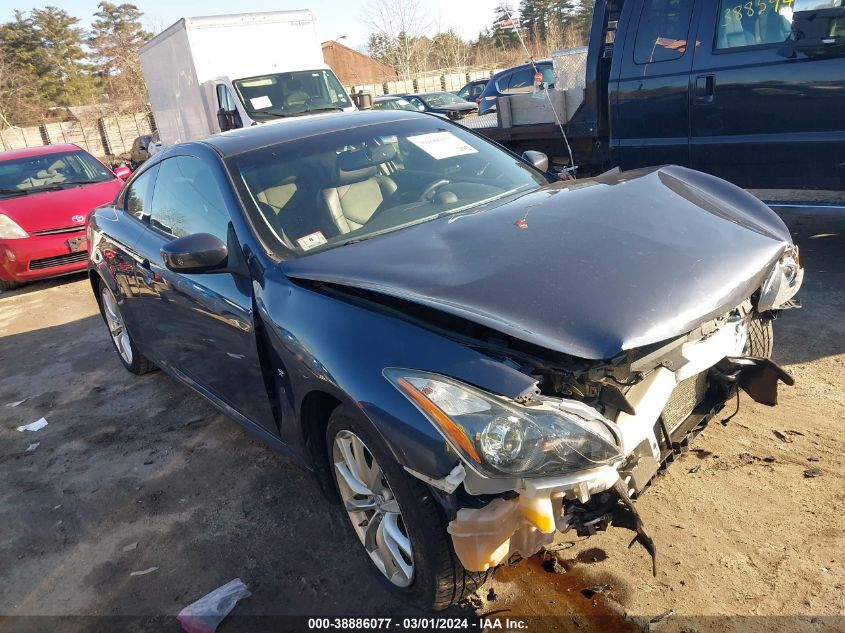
(210, 74)
(727, 87)
(752, 92)
(250, 100)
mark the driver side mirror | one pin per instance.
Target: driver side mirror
(818, 29)
(123, 172)
(538, 159)
(228, 120)
(197, 253)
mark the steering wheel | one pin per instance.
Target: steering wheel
(431, 190)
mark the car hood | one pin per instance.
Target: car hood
(56, 209)
(588, 268)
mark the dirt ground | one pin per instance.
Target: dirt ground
(740, 526)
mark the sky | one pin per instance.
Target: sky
(334, 17)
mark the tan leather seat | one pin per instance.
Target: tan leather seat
(359, 190)
(277, 196)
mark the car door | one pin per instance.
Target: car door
(649, 113)
(204, 324)
(759, 118)
(116, 249)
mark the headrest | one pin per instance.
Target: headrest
(361, 164)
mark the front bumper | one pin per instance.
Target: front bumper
(522, 523)
(42, 256)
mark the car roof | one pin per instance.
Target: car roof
(296, 128)
(42, 150)
(539, 62)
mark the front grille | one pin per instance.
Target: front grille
(686, 395)
(67, 229)
(58, 260)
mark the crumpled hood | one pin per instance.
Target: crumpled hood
(588, 268)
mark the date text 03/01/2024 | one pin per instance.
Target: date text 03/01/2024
(431, 624)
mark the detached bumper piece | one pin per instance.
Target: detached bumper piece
(486, 537)
(758, 377)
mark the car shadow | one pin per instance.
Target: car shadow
(42, 284)
(817, 330)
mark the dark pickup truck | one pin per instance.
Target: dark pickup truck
(753, 92)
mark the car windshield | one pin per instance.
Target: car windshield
(440, 99)
(50, 171)
(286, 94)
(394, 104)
(331, 189)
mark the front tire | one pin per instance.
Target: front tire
(761, 337)
(5, 286)
(396, 518)
(127, 351)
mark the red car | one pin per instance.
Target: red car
(45, 196)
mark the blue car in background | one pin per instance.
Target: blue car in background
(513, 81)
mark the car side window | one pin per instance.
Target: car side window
(224, 98)
(521, 81)
(753, 23)
(137, 198)
(416, 101)
(663, 30)
(188, 200)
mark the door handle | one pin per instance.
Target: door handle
(705, 88)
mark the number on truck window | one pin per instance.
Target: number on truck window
(753, 23)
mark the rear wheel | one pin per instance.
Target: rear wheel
(126, 349)
(395, 517)
(761, 337)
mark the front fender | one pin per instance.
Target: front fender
(331, 345)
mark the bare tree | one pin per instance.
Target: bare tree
(398, 29)
(449, 50)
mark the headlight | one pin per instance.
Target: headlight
(783, 283)
(9, 230)
(499, 437)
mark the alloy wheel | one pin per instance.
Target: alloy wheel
(372, 508)
(117, 328)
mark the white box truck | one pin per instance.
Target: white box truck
(211, 74)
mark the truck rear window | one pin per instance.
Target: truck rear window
(663, 31)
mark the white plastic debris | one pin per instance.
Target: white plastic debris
(206, 614)
(34, 426)
(12, 405)
(33, 447)
(145, 572)
(130, 547)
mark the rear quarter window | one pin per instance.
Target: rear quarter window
(662, 31)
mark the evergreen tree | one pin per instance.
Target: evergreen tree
(47, 44)
(503, 31)
(115, 39)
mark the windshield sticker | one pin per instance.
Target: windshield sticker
(440, 145)
(261, 102)
(312, 240)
